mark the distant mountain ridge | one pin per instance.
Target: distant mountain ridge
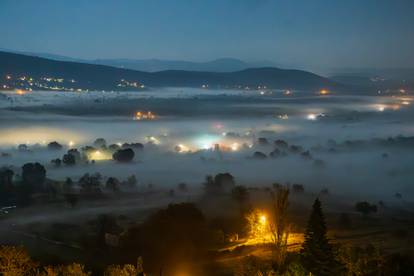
(103, 77)
(155, 65)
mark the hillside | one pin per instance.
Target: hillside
(74, 75)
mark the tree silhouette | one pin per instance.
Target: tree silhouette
(317, 253)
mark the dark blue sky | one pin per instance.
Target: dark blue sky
(296, 33)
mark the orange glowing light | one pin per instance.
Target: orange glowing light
(323, 92)
(140, 115)
(20, 92)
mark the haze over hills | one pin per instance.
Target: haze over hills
(155, 65)
(77, 75)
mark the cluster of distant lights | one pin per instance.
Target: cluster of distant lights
(26, 83)
(144, 115)
(288, 92)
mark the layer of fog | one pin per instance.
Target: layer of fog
(195, 118)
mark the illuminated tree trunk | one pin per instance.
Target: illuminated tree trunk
(279, 226)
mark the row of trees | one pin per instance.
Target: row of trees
(15, 261)
(19, 189)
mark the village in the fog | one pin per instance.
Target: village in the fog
(124, 154)
(206, 138)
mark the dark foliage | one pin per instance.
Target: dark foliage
(179, 231)
(221, 183)
(365, 208)
(69, 159)
(54, 146)
(99, 143)
(298, 188)
(259, 155)
(262, 141)
(90, 184)
(34, 175)
(317, 253)
(113, 184)
(124, 155)
(6, 185)
(281, 144)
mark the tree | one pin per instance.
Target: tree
(74, 269)
(99, 143)
(279, 226)
(15, 261)
(132, 181)
(365, 208)
(262, 141)
(124, 155)
(6, 185)
(317, 253)
(113, 184)
(259, 155)
(221, 183)
(68, 185)
(126, 270)
(34, 175)
(281, 144)
(57, 162)
(69, 159)
(90, 184)
(171, 234)
(75, 153)
(54, 146)
(241, 195)
(359, 261)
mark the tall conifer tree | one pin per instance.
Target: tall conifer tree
(317, 253)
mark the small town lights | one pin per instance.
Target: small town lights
(283, 117)
(99, 155)
(152, 140)
(181, 148)
(323, 92)
(235, 146)
(141, 115)
(381, 108)
(20, 92)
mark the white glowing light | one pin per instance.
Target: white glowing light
(182, 148)
(207, 141)
(311, 117)
(283, 117)
(71, 143)
(381, 108)
(152, 139)
(235, 146)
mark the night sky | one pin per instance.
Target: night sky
(296, 33)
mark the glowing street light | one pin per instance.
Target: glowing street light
(323, 92)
